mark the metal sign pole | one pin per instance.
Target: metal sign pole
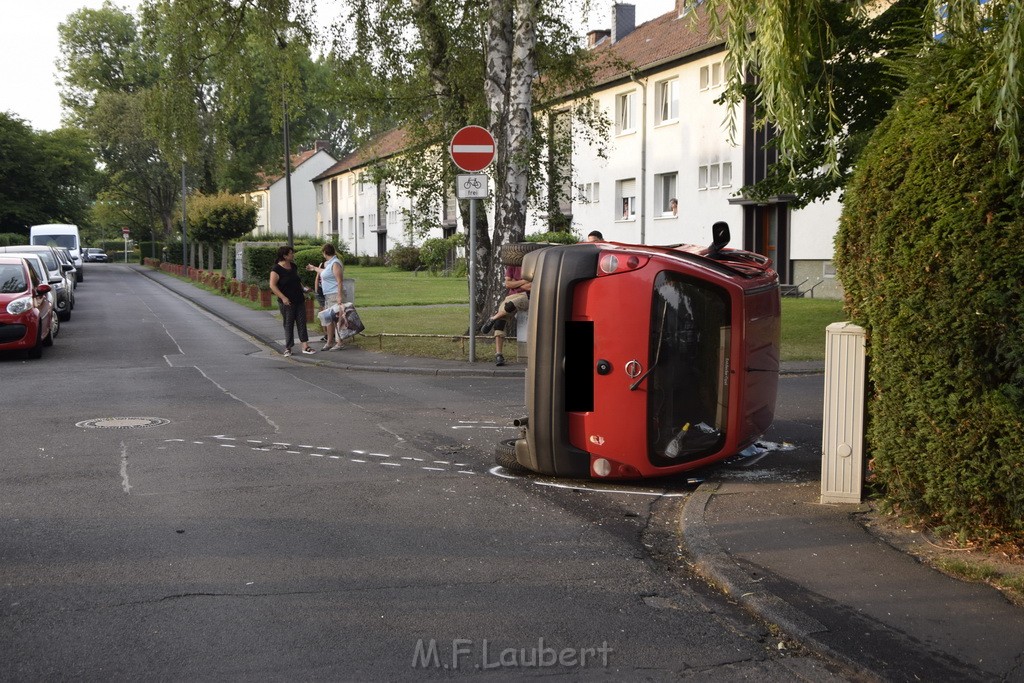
(472, 280)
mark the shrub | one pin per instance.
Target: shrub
(404, 258)
(928, 251)
(12, 239)
(304, 258)
(557, 237)
(259, 259)
(151, 249)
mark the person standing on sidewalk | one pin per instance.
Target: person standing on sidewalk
(285, 283)
(332, 275)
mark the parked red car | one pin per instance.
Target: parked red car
(646, 361)
(26, 314)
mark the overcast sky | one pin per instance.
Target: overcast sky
(28, 50)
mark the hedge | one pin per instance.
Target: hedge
(929, 253)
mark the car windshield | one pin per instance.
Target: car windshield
(55, 240)
(12, 278)
(688, 382)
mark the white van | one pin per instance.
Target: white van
(60, 235)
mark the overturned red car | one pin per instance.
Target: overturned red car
(646, 361)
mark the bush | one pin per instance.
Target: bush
(151, 249)
(404, 258)
(304, 258)
(258, 262)
(12, 239)
(557, 237)
(928, 251)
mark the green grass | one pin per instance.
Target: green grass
(376, 286)
(440, 306)
(803, 326)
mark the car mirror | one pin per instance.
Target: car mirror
(66, 267)
(719, 236)
(43, 289)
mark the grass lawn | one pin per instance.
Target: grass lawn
(440, 306)
(803, 329)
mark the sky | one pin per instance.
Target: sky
(28, 50)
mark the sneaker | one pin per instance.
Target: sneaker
(336, 347)
(499, 360)
(287, 352)
(326, 347)
(488, 326)
(309, 351)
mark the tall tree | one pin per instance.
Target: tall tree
(45, 177)
(471, 63)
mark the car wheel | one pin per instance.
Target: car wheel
(48, 339)
(64, 316)
(505, 455)
(80, 277)
(56, 324)
(37, 350)
(512, 253)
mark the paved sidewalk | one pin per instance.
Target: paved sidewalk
(762, 537)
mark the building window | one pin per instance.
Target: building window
(319, 193)
(626, 195)
(668, 100)
(362, 226)
(665, 194)
(351, 227)
(713, 176)
(590, 193)
(625, 113)
(711, 76)
(257, 199)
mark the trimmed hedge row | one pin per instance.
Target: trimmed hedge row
(929, 253)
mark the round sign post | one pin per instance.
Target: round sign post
(472, 150)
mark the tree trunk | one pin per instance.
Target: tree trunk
(225, 249)
(511, 65)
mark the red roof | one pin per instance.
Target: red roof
(265, 181)
(663, 40)
(386, 145)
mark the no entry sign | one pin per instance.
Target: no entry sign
(472, 148)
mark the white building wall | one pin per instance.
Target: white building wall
(304, 215)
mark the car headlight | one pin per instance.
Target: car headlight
(19, 306)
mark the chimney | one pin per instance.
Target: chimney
(623, 21)
(322, 146)
(596, 36)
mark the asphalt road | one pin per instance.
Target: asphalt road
(253, 517)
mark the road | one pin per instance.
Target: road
(178, 501)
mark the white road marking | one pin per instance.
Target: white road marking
(228, 445)
(124, 469)
(500, 471)
(356, 460)
(391, 464)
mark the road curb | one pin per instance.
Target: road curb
(717, 567)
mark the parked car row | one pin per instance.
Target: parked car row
(37, 294)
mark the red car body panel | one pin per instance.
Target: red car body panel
(666, 364)
(26, 330)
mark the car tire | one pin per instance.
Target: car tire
(64, 316)
(505, 455)
(512, 253)
(37, 350)
(48, 339)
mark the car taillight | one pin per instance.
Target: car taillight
(603, 468)
(610, 263)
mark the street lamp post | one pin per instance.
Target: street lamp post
(184, 217)
(288, 175)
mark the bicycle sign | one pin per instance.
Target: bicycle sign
(471, 186)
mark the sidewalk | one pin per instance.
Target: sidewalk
(762, 537)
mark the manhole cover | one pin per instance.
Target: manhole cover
(122, 422)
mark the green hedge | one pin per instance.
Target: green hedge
(929, 253)
(258, 262)
(303, 258)
(150, 250)
(12, 239)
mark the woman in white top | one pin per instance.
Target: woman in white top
(331, 279)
